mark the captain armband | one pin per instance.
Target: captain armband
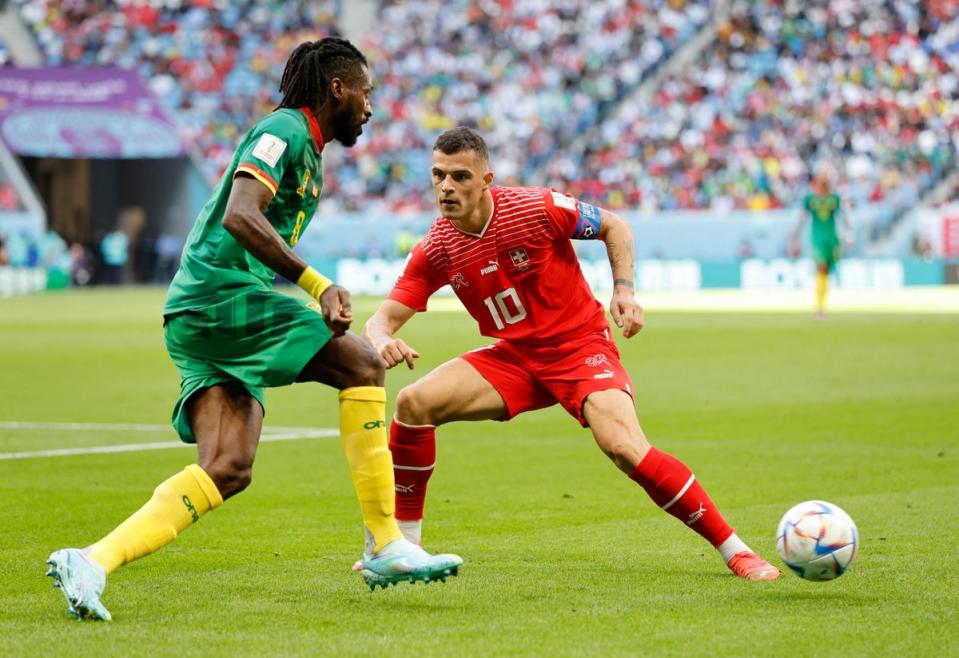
(587, 227)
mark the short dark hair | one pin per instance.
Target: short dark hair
(312, 65)
(459, 139)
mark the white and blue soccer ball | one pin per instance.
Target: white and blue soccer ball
(817, 540)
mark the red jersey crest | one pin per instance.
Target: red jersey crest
(520, 259)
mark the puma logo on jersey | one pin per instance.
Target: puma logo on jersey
(493, 266)
(606, 374)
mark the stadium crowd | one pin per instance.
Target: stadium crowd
(532, 74)
(869, 86)
(215, 65)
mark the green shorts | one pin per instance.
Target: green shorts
(826, 251)
(257, 339)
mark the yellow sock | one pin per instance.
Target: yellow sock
(176, 504)
(821, 280)
(363, 434)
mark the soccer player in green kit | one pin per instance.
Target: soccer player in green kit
(824, 206)
(230, 335)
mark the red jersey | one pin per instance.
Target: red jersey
(519, 278)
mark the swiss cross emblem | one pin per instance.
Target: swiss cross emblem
(519, 258)
(597, 361)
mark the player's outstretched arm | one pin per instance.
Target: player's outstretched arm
(626, 311)
(245, 221)
(379, 330)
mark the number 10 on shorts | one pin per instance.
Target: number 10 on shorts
(500, 309)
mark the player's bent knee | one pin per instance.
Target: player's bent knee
(613, 448)
(413, 407)
(625, 450)
(366, 369)
(231, 476)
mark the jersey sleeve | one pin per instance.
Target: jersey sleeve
(418, 281)
(272, 145)
(572, 218)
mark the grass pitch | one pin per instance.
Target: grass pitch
(564, 555)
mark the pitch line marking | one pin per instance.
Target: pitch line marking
(117, 427)
(319, 433)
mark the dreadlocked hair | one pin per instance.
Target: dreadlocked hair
(311, 67)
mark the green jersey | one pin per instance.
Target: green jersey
(282, 151)
(824, 209)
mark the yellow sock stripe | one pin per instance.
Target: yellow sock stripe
(206, 484)
(367, 393)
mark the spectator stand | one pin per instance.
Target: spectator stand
(870, 87)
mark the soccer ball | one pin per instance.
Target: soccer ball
(817, 540)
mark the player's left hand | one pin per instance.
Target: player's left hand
(337, 309)
(626, 311)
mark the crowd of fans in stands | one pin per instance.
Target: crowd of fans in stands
(866, 84)
(214, 64)
(532, 74)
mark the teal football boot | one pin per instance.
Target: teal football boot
(82, 581)
(403, 561)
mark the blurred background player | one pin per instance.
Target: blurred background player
(824, 207)
(507, 254)
(230, 335)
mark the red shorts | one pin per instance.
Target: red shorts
(530, 378)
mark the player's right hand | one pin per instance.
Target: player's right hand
(395, 351)
(626, 312)
(337, 309)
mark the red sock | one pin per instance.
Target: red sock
(673, 487)
(414, 456)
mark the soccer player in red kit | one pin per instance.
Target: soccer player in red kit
(506, 252)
